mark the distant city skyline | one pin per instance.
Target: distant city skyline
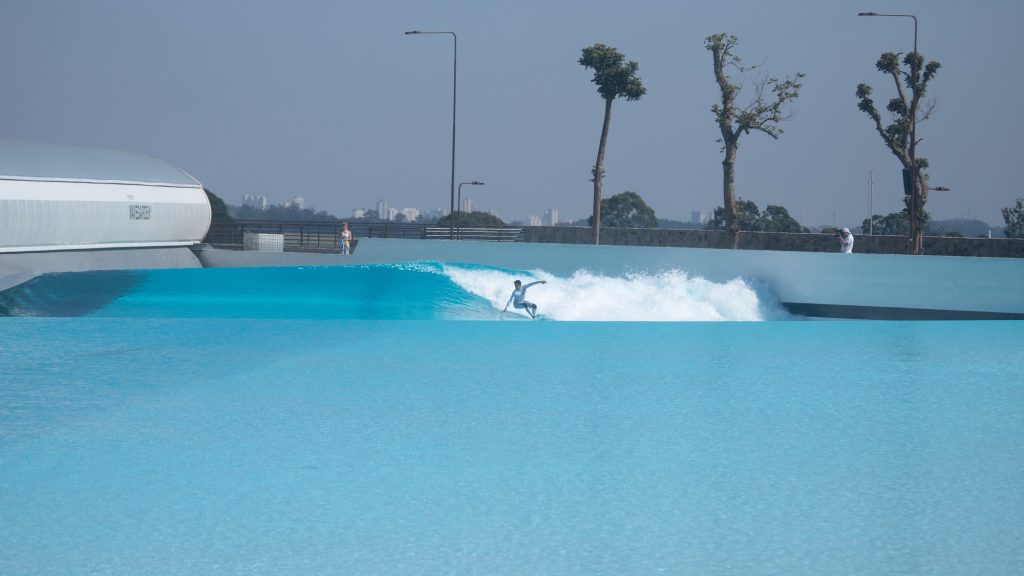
(548, 216)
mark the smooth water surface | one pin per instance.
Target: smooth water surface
(178, 443)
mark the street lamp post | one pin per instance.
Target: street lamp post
(455, 85)
(459, 224)
(913, 142)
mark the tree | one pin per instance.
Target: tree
(1014, 218)
(474, 220)
(749, 218)
(777, 219)
(892, 224)
(218, 209)
(899, 135)
(626, 210)
(765, 112)
(744, 216)
(615, 78)
(218, 213)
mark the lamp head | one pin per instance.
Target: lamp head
(413, 32)
(860, 14)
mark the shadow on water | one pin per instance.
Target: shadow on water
(68, 293)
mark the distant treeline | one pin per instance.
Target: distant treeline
(891, 224)
(281, 214)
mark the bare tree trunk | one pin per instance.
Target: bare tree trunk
(918, 229)
(729, 192)
(599, 170)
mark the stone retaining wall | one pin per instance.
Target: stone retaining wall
(863, 243)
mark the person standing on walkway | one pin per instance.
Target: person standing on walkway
(346, 239)
(845, 241)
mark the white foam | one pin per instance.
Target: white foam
(671, 296)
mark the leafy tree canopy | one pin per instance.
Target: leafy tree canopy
(896, 135)
(777, 219)
(217, 206)
(626, 210)
(1014, 218)
(906, 110)
(750, 218)
(615, 78)
(473, 220)
(892, 224)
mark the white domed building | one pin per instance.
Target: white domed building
(68, 208)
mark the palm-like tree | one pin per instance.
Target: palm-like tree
(615, 78)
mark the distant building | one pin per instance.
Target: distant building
(359, 212)
(699, 217)
(257, 201)
(410, 214)
(383, 210)
(551, 216)
(434, 214)
(467, 205)
(298, 202)
(534, 220)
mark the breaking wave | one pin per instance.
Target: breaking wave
(414, 291)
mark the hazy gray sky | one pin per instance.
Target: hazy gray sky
(329, 100)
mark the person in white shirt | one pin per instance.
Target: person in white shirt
(846, 241)
(346, 239)
(518, 295)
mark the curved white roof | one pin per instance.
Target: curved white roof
(32, 161)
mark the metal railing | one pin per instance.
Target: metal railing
(507, 234)
(325, 236)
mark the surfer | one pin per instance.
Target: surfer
(517, 298)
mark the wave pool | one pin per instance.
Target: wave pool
(348, 421)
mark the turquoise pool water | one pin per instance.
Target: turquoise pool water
(333, 421)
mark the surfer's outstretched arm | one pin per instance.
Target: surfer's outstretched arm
(525, 286)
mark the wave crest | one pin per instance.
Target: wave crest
(411, 291)
(671, 296)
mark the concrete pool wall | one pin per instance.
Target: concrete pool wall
(871, 286)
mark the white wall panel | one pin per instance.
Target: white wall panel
(41, 215)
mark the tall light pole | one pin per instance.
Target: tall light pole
(913, 140)
(455, 86)
(473, 183)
